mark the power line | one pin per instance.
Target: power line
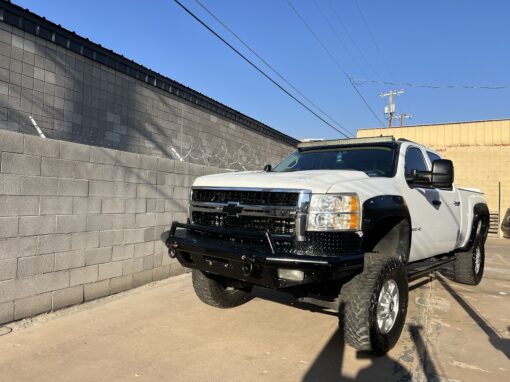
(362, 81)
(335, 61)
(270, 66)
(256, 67)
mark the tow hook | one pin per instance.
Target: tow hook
(171, 250)
(248, 269)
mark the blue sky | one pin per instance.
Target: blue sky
(430, 42)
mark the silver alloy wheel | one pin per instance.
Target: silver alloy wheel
(387, 306)
(478, 259)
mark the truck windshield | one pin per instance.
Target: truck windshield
(372, 160)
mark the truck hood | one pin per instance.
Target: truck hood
(318, 181)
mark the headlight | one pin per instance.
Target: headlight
(333, 213)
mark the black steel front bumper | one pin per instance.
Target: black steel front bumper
(194, 248)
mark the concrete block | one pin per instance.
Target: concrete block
(131, 266)
(74, 151)
(151, 205)
(37, 225)
(71, 223)
(164, 192)
(10, 184)
(142, 278)
(60, 168)
(182, 167)
(148, 262)
(56, 205)
(54, 243)
(165, 219)
(144, 249)
(11, 141)
(69, 260)
(84, 240)
(145, 191)
(114, 173)
(161, 273)
(35, 145)
(110, 270)
(176, 269)
(8, 227)
(83, 275)
(83, 205)
(145, 220)
(127, 159)
(35, 265)
(181, 193)
(102, 155)
(136, 175)
(8, 269)
(99, 222)
(98, 255)
(101, 188)
(123, 221)
(20, 164)
(124, 190)
(113, 206)
(148, 162)
(30, 306)
(17, 247)
(149, 234)
(120, 284)
(90, 171)
(136, 205)
(111, 238)
(96, 290)
(123, 252)
(73, 187)
(67, 297)
(36, 185)
(166, 165)
(6, 312)
(134, 236)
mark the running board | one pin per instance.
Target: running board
(421, 268)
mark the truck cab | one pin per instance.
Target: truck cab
(346, 220)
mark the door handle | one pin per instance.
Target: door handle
(456, 203)
(436, 202)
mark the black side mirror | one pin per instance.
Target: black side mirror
(442, 173)
(267, 167)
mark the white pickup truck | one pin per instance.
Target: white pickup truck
(344, 220)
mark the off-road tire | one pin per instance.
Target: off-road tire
(359, 300)
(212, 291)
(464, 266)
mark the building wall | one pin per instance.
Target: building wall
(76, 98)
(480, 152)
(79, 222)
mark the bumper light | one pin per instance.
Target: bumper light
(291, 274)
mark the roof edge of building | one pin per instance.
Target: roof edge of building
(437, 124)
(39, 26)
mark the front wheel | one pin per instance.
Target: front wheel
(216, 292)
(373, 305)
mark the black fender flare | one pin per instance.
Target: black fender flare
(480, 212)
(386, 225)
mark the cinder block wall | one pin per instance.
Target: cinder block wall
(79, 222)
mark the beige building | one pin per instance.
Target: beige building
(480, 151)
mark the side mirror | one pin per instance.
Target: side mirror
(267, 167)
(442, 173)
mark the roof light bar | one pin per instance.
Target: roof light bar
(346, 142)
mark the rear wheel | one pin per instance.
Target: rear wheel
(216, 292)
(373, 305)
(468, 266)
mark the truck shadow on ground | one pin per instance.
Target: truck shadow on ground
(329, 363)
(499, 343)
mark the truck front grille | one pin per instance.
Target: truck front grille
(263, 198)
(275, 225)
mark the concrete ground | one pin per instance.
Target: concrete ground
(162, 332)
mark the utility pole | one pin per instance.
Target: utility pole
(390, 108)
(403, 116)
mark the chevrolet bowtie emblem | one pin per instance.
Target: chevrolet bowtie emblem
(232, 209)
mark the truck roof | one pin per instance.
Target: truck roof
(345, 142)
